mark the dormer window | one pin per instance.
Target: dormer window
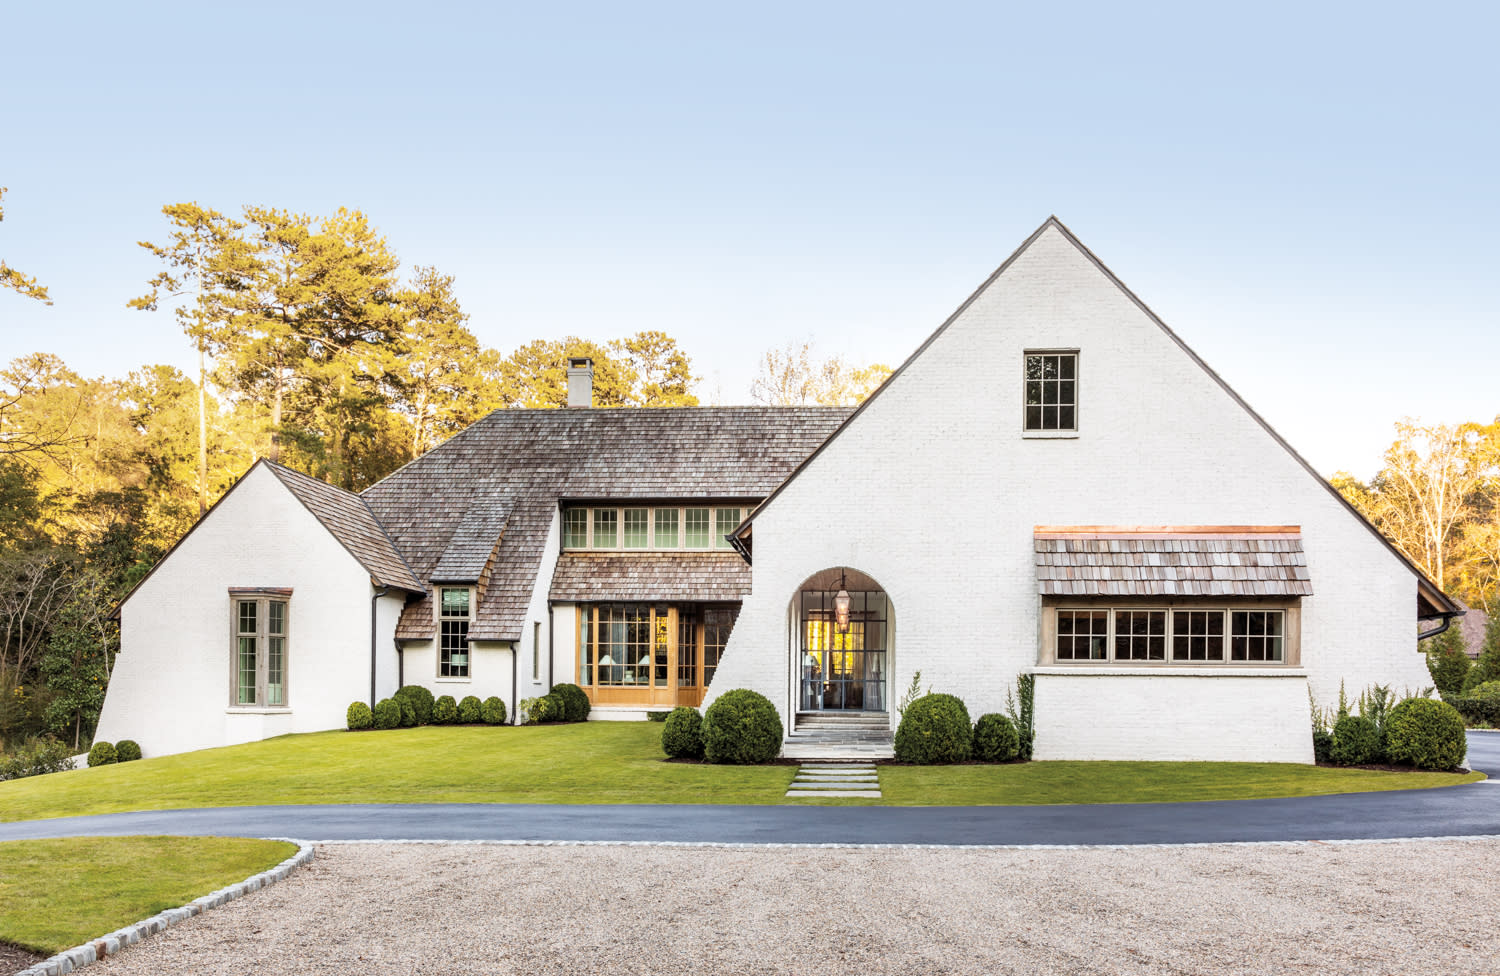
(663, 528)
(1051, 393)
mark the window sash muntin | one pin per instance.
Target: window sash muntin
(1049, 391)
(697, 532)
(1265, 634)
(664, 528)
(258, 666)
(636, 528)
(726, 520)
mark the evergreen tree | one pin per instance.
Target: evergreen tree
(1487, 668)
(1447, 661)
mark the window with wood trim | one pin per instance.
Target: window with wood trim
(455, 612)
(658, 528)
(259, 648)
(1051, 392)
(1185, 635)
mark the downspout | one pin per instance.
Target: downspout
(400, 662)
(550, 675)
(382, 591)
(515, 719)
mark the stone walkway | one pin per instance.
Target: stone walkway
(821, 780)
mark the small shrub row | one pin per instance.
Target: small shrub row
(414, 705)
(564, 703)
(105, 753)
(740, 728)
(1421, 732)
(36, 758)
(935, 729)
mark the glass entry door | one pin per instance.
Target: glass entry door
(843, 671)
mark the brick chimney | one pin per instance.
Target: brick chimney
(580, 382)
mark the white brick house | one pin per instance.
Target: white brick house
(1053, 483)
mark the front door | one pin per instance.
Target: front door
(842, 669)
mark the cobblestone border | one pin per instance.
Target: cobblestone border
(71, 960)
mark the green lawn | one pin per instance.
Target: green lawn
(613, 762)
(55, 894)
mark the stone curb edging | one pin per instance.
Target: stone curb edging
(71, 960)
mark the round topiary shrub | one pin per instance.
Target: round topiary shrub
(741, 727)
(127, 750)
(408, 712)
(387, 713)
(445, 711)
(1427, 734)
(682, 736)
(934, 729)
(103, 754)
(996, 739)
(359, 717)
(470, 711)
(492, 711)
(421, 700)
(575, 701)
(1356, 742)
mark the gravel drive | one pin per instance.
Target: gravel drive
(429, 908)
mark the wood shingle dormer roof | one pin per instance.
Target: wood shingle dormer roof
(530, 461)
(349, 520)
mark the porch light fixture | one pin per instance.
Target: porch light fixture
(841, 607)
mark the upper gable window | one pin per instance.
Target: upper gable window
(1051, 393)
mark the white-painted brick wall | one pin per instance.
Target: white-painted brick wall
(933, 491)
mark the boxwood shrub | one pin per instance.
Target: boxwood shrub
(1322, 745)
(127, 750)
(996, 739)
(359, 716)
(445, 711)
(492, 711)
(576, 705)
(935, 729)
(1480, 704)
(103, 754)
(387, 713)
(408, 712)
(1356, 742)
(682, 736)
(421, 701)
(470, 711)
(741, 727)
(1426, 733)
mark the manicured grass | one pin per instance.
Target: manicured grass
(614, 762)
(1137, 782)
(55, 894)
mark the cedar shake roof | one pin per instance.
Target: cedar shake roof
(1171, 561)
(349, 520)
(528, 461)
(697, 576)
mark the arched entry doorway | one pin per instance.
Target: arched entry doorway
(842, 662)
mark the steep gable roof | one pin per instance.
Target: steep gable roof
(1428, 591)
(349, 520)
(528, 461)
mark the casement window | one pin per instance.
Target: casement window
(258, 663)
(1185, 635)
(1050, 393)
(455, 612)
(663, 528)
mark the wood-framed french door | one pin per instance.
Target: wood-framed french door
(650, 654)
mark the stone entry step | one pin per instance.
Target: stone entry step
(816, 780)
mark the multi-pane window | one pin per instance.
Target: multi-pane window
(1256, 635)
(1198, 635)
(606, 528)
(453, 618)
(1194, 635)
(717, 626)
(695, 525)
(687, 649)
(666, 528)
(576, 528)
(259, 662)
(622, 640)
(637, 528)
(725, 522)
(1051, 393)
(631, 645)
(1140, 635)
(1082, 635)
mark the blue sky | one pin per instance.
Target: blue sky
(1306, 193)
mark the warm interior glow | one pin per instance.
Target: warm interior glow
(841, 612)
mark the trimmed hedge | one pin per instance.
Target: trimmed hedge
(492, 712)
(996, 739)
(445, 711)
(1322, 745)
(657, 716)
(103, 754)
(408, 712)
(1426, 733)
(421, 701)
(470, 711)
(127, 750)
(682, 736)
(741, 727)
(576, 704)
(935, 729)
(387, 713)
(1356, 742)
(1480, 703)
(359, 717)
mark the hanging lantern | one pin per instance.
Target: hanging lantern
(841, 608)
